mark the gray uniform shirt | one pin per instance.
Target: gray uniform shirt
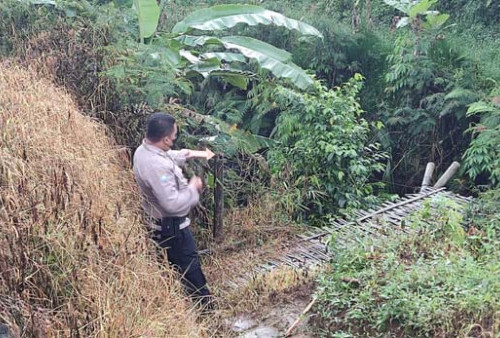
(165, 190)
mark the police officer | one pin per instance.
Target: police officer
(168, 197)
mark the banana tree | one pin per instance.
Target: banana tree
(191, 48)
(415, 9)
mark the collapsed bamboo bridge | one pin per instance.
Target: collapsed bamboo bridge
(310, 248)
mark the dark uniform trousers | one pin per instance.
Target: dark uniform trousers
(183, 256)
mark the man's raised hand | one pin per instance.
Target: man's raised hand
(206, 154)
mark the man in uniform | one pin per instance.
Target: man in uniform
(168, 198)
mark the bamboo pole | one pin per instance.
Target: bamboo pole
(380, 211)
(427, 175)
(452, 169)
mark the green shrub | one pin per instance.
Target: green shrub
(434, 282)
(482, 158)
(323, 148)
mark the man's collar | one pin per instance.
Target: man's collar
(153, 148)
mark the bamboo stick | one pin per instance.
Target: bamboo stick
(427, 175)
(452, 169)
(299, 318)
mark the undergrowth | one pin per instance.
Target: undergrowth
(442, 280)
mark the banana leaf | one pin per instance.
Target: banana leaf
(148, 13)
(226, 16)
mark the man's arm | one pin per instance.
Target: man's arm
(205, 154)
(173, 201)
(180, 156)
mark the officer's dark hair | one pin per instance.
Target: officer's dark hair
(159, 125)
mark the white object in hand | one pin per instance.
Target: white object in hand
(207, 154)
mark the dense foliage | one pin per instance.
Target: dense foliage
(439, 281)
(423, 70)
(483, 157)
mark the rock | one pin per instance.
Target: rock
(261, 332)
(242, 324)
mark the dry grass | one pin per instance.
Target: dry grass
(280, 285)
(73, 256)
(251, 236)
(263, 294)
(256, 226)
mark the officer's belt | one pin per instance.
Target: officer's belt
(169, 225)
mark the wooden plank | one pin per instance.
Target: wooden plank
(319, 254)
(410, 200)
(293, 256)
(288, 261)
(315, 236)
(364, 228)
(308, 251)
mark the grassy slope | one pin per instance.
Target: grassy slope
(73, 257)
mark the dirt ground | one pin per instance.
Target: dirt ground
(251, 304)
(274, 320)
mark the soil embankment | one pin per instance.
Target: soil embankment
(73, 257)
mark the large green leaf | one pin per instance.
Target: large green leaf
(226, 16)
(167, 55)
(267, 56)
(193, 41)
(403, 5)
(285, 70)
(40, 2)
(252, 48)
(240, 139)
(222, 56)
(214, 67)
(236, 79)
(436, 21)
(403, 22)
(189, 56)
(246, 45)
(420, 7)
(148, 12)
